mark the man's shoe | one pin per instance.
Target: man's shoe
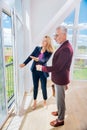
(56, 123)
(55, 113)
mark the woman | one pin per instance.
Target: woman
(40, 56)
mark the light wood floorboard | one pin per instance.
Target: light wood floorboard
(76, 110)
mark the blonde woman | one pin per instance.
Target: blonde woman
(40, 56)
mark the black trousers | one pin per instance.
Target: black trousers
(38, 75)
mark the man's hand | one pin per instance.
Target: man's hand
(39, 67)
(34, 58)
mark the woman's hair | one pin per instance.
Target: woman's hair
(49, 46)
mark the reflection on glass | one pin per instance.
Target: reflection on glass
(8, 56)
(82, 42)
(80, 69)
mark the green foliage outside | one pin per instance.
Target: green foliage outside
(80, 74)
(10, 59)
(9, 81)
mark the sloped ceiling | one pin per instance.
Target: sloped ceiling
(42, 11)
(46, 15)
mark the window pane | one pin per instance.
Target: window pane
(8, 56)
(69, 36)
(3, 112)
(19, 42)
(82, 43)
(10, 3)
(18, 6)
(82, 13)
(80, 69)
(70, 19)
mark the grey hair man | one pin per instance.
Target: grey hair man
(60, 71)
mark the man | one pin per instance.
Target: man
(60, 70)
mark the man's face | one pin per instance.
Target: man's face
(59, 36)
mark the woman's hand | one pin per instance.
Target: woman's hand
(34, 58)
(22, 65)
(39, 67)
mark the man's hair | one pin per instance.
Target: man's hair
(63, 28)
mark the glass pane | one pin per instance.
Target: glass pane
(18, 6)
(20, 77)
(80, 69)
(3, 112)
(8, 55)
(69, 22)
(70, 34)
(82, 13)
(82, 43)
(70, 19)
(10, 3)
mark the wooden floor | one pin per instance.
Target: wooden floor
(76, 110)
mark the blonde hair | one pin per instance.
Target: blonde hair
(49, 46)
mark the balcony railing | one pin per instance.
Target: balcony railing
(9, 83)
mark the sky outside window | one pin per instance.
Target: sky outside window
(83, 12)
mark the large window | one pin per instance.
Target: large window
(81, 47)
(80, 63)
(3, 112)
(79, 41)
(8, 56)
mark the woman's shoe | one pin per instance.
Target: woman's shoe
(33, 107)
(45, 104)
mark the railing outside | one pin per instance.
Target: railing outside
(9, 83)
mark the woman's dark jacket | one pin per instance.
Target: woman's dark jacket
(42, 61)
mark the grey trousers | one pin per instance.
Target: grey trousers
(60, 96)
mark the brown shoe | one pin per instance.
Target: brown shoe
(55, 113)
(56, 123)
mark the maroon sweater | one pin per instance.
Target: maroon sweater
(61, 63)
